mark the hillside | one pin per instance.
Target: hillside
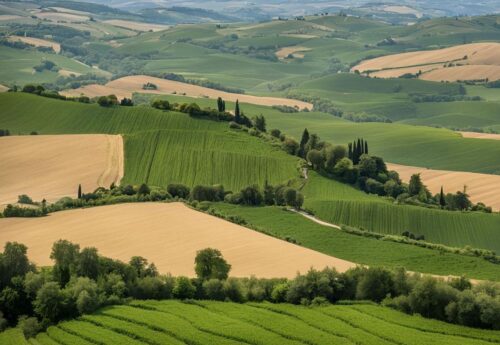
(205, 152)
(259, 323)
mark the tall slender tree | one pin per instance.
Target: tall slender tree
(237, 114)
(349, 154)
(302, 147)
(354, 152)
(442, 201)
(366, 147)
(362, 146)
(79, 191)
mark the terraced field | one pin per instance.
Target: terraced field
(203, 322)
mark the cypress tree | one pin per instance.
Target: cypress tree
(366, 147)
(362, 146)
(442, 201)
(237, 115)
(350, 151)
(303, 142)
(79, 191)
(355, 152)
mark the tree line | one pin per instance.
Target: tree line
(81, 281)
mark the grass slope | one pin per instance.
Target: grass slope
(203, 322)
(362, 250)
(342, 204)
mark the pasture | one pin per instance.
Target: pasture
(204, 322)
(126, 86)
(168, 235)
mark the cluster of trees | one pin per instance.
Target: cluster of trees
(4, 132)
(41, 91)
(194, 109)
(356, 166)
(443, 98)
(81, 281)
(280, 195)
(149, 86)
(46, 65)
(107, 101)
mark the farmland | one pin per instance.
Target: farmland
(481, 187)
(482, 56)
(362, 250)
(341, 204)
(51, 167)
(176, 322)
(188, 146)
(125, 87)
(170, 237)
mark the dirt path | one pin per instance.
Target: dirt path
(52, 166)
(168, 234)
(314, 219)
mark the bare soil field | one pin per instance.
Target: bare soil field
(475, 135)
(37, 42)
(138, 26)
(483, 188)
(403, 10)
(67, 73)
(9, 17)
(286, 51)
(67, 10)
(52, 166)
(478, 60)
(62, 17)
(124, 87)
(168, 234)
(468, 72)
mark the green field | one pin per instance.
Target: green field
(434, 148)
(17, 66)
(342, 204)
(193, 157)
(362, 250)
(204, 322)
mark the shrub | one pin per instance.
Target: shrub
(178, 190)
(233, 290)
(208, 193)
(183, 288)
(24, 199)
(214, 289)
(251, 195)
(161, 104)
(29, 326)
